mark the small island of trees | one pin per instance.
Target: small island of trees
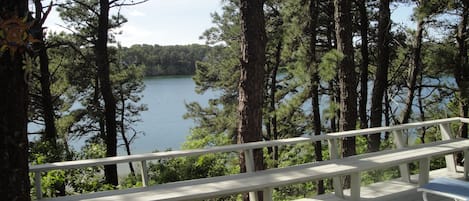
(165, 60)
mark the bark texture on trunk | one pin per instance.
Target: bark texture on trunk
(414, 71)
(272, 127)
(251, 85)
(14, 184)
(462, 70)
(381, 76)
(50, 134)
(102, 61)
(364, 23)
(313, 66)
(347, 74)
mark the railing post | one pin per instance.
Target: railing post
(424, 171)
(355, 185)
(336, 181)
(268, 194)
(250, 167)
(37, 184)
(144, 172)
(333, 148)
(445, 130)
(466, 164)
(249, 163)
(401, 143)
(249, 160)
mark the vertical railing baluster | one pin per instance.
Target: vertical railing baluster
(268, 194)
(400, 143)
(333, 148)
(355, 185)
(144, 172)
(424, 171)
(249, 163)
(249, 160)
(466, 164)
(37, 184)
(334, 153)
(445, 130)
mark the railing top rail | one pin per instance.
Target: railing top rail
(368, 131)
(464, 120)
(233, 148)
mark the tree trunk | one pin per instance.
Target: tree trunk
(253, 43)
(272, 107)
(46, 99)
(98, 107)
(364, 64)
(421, 109)
(461, 72)
(347, 74)
(414, 71)
(14, 184)
(102, 61)
(47, 102)
(123, 130)
(334, 95)
(313, 67)
(272, 123)
(330, 27)
(381, 77)
(48, 112)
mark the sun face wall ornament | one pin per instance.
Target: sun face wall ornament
(15, 35)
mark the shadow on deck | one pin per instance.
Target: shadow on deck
(393, 190)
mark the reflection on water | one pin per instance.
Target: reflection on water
(166, 96)
(163, 123)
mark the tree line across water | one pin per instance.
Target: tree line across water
(165, 60)
(325, 50)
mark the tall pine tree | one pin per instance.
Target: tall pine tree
(251, 85)
(14, 184)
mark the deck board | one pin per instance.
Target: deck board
(393, 190)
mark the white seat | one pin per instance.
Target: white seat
(446, 187)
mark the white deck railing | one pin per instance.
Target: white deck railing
(332, 138)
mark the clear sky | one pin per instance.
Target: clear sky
(181, 22)
(162, 22)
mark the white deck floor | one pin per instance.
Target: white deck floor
(392, 190)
